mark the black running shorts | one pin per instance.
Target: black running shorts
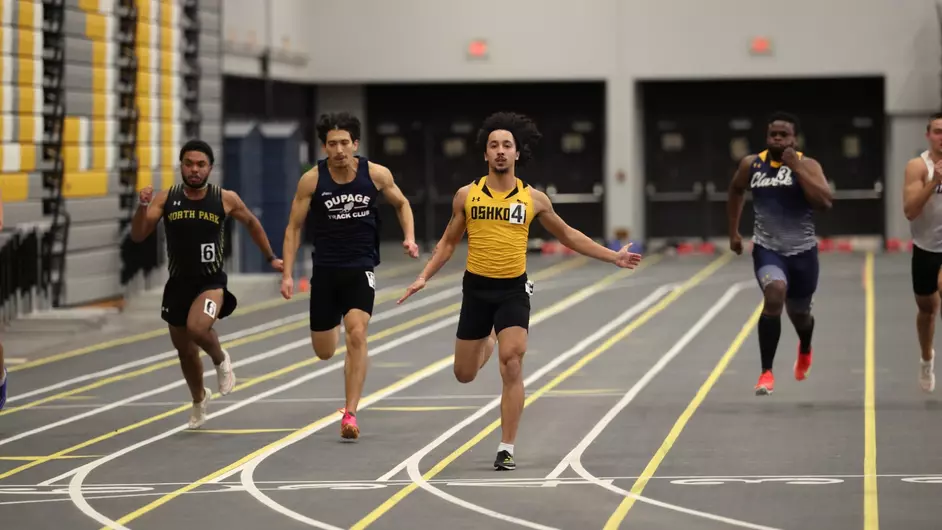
(181, 291)
(337, 290)
(925, 271)
(497, 303)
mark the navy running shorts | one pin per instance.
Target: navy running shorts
(799, 272)
(337, 290)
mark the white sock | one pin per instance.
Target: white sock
(506, 447)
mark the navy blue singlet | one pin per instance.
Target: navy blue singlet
(344, 219)
(784, 219)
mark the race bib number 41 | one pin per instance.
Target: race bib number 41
(518, 213)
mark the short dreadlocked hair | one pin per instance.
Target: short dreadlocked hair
(524, 131)
(787, 118)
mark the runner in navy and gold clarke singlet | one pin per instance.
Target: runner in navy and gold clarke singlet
(196, 295)
(787, 187)
(496, 211)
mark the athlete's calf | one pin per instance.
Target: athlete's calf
(199, 324)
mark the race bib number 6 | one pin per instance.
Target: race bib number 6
(208, 252)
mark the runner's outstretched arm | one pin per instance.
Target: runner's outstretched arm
(575, 239)
(384, 181)
(240, 212)
(446, 245)
(300, 207)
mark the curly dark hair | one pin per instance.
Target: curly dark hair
(524, 131)
(343, 121)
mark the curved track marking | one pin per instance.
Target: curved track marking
(76, 493)
(412, 465)
(247, 475)
(574, 458)
(412, 462)
(445, 311)
(577, 467)
(76, 485)
(638, 487)
(547, 272)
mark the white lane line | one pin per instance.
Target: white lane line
(290, 319)
(76, 485)
(590, 394)
(495, 402)
(646, 379)
(412, 463)
(282, 349)
(225, 338)
(126, 491)
(153, 358)
(680, 480)
(248, 471)
(391, 313)
(574, 458)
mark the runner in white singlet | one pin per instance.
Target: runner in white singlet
(922, 204)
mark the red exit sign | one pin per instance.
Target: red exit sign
(760, 46)
(477, 49)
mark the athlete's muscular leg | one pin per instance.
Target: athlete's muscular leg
(488, 349)
(472, 355)
(926, 277)
(770, 273)
(355, 324)
(928, 308)
(512, 347)
(189, 354)
(799, 312)
(199, 323)
(325, 342)
(803, 283)
(770, 322)
(3, 376)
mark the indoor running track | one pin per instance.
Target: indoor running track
(640, 414)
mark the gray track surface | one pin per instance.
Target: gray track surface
(794, 459)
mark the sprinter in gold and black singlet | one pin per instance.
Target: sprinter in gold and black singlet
(194, 213)
(496, 210)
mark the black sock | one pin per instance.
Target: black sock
(770, 329)
(804, 335)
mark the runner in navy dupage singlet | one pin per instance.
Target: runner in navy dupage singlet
(336, 201)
